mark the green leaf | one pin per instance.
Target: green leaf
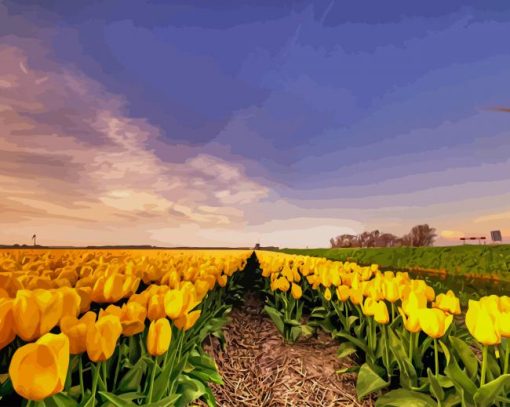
(408, 375)
(486, 394)
(295, 333)
(190, 389)
(368, 381)
(461, 381)
(113, 399)
(435, 387)
(6, 387)
(350, 369)
(463, 350)
(355, 341)
(402, 397)
(306, 331)
(276, 317)
(61, 400)
(165, 402)
(346, 349)
(131, 381)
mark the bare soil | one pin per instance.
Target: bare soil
(260, 370)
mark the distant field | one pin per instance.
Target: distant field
(488, 261)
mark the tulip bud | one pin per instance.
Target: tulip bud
(159, 337)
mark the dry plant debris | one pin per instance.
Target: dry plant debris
(260, 370)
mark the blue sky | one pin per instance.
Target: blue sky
(285, 122)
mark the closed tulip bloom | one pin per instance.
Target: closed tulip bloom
(413, 301)
(369, 307)
(481, 324)
(26, 310)
(342, 293)
(448, 302)
(38, 370)
(390, 289)
(76, 330)
(202, 287)
(7, 332)
(187, 321)
(113, 287)
(411, 320)
(356, 296)
(327, 294)
(156, 307)
(174, 302)
(296, 291)
(85, 298)
(159, 337)
(132, 318)
(102, 338)
(434, 322)
(381, 314)
(71, 301)
(222, 280)
(504, 324)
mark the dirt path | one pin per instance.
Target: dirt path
(260, 370)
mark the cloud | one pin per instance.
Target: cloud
(69, 154)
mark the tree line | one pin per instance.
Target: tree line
(420, 235)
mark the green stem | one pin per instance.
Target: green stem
(392, 311)
(69, 373)
(507, 356)
(411, 346)
(385, 331)
(95, 379)
(80, 370)
(117, 368)
(436, 357)
(177, 359)
(105, 375)
(153, 376)
(484, 365)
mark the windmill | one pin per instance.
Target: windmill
(34, 237)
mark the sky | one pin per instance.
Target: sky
(226, 123)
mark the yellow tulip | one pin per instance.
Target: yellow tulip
(482, 324)
(434, 322)
(38, 370)
(7, 332)
(411, 320)
(113, 289)
(222, 280)
(413, 301)
(296, 291)
(381, 315)
(448, 302)
(102, 338)
(156, 307)
(132, 318)
(390, 289)
(342, 293)
(174, 302)
(159, 337)
(71, 301)
(187, 321)
(356, 296)
(504, 324)
(85, 298)
(327, 294)
(368, 307)
(76, 330)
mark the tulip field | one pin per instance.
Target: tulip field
(126, 327)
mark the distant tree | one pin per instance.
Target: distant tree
(420, 235)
